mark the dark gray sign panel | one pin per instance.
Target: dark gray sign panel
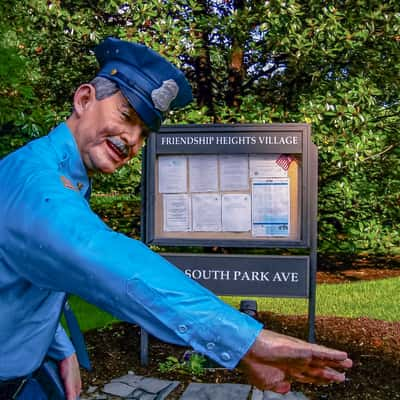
(272, 276)
(229, 142)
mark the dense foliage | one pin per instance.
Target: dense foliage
(333, 64)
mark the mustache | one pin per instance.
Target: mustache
(122, 147)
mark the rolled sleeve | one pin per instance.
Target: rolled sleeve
(61, 347)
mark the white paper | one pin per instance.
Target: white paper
(234, 172)
(203, 173)
(177, 213)
(265, 166)
(172, 174)
(270, 207)
(236, 213)
(206, 210)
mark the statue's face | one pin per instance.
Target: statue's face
(109, 134)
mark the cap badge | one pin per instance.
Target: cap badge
(165, 94)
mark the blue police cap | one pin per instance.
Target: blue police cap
(150, 83)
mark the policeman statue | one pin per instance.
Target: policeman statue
(52, 244)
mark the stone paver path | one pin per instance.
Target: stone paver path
(136, 387)
(216, 391)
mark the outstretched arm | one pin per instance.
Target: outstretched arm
(275, 360)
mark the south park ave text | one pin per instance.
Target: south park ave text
(235, 275)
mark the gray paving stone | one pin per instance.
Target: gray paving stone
(142, 395)
(119, 389)
(137, 387)
(91, 389)
(130, 379)
(153, 385)
(153, 389)
(257, 394)
(216, 391)
(96, 397)
(268, 395)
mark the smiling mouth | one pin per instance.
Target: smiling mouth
(118, 146)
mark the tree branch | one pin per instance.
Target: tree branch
(380, 153)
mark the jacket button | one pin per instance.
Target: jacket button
(210, 345)
(225, 356)
(182, 328)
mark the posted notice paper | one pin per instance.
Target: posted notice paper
(203, 173)
(177, 213)
(206, 209)
(172, 174)
(234, 172)
(236, 212)
(270, 207)
(265, 166)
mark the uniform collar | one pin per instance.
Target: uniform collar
(69, 158)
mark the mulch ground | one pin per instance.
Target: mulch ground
(373, 345)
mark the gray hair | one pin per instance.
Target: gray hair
(104, 87)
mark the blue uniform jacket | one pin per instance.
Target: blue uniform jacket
(51, 243)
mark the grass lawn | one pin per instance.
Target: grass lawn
(378, 299)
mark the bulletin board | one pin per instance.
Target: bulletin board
(230, 185)
(228, 196)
